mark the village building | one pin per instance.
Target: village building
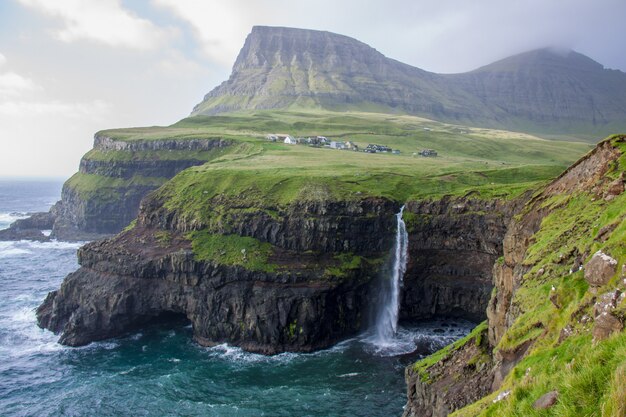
(373, 148)
(290, 140)
(428, 152)
(337, 145)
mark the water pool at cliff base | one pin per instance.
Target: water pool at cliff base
(160, 371)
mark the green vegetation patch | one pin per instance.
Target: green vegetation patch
(589, 378)
(348, 262)
(101, 188)
(233, 250)
(167, 155)
(475, 336)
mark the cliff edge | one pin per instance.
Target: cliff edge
(553, 343)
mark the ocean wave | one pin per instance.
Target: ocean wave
(26, 338)
(53, 244)
(238, 355)
(11, 252)
(12, 216)
(27, 247)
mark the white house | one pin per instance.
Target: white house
(290, 140)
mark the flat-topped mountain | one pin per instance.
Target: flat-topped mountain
(547, 90)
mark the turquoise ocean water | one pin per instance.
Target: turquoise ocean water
(160, 371)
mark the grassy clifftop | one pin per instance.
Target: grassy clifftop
(488, 161)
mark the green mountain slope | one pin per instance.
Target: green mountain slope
(544, 91)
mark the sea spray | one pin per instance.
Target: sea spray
(386, 324)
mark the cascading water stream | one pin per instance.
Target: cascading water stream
(386, 324)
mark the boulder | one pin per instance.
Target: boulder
(615, 188)
(546, 400)
(605, 325)
(600, 269)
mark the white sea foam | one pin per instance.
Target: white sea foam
(26, 247)
(9, 218)
(430, 336)
(53, 244)
(11, 252)
(27, 338)
(238, 355)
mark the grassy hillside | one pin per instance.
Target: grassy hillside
(254, 172)
(555, 312)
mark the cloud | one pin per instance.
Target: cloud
(12, 84)
(102, 21)
(219, 27)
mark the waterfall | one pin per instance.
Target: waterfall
(387, 318)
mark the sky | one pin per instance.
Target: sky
(69, 68)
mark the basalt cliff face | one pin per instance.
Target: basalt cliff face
(316, 282)
(104, 196)
(303, 297)
(552, 295)
(546, 90)
(453, 243)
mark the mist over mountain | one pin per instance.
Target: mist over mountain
(548, 90)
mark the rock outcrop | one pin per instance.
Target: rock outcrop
(530, 263)
(306, 300)
(325, 259)
(453, 244)
(30, 228)
(437, 391)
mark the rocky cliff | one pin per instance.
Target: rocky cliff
(545, 90)
(453, 243)
(273, 276)
(103, 196)
(298, 281)
(553, 340)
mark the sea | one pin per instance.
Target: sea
(160, 371)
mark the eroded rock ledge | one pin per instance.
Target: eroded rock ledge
(308, 299)
(325, 258)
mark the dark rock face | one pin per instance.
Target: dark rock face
(453, 244)
(446, 387)
(29, 228)
(132, 278)
(541, 91)
(79, 218)
(600, 269)
(360, 226)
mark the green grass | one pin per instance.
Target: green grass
(173, 155)
(491, 163)
(589, 376)
(91, 186)
(422, 366)
(232, 250)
